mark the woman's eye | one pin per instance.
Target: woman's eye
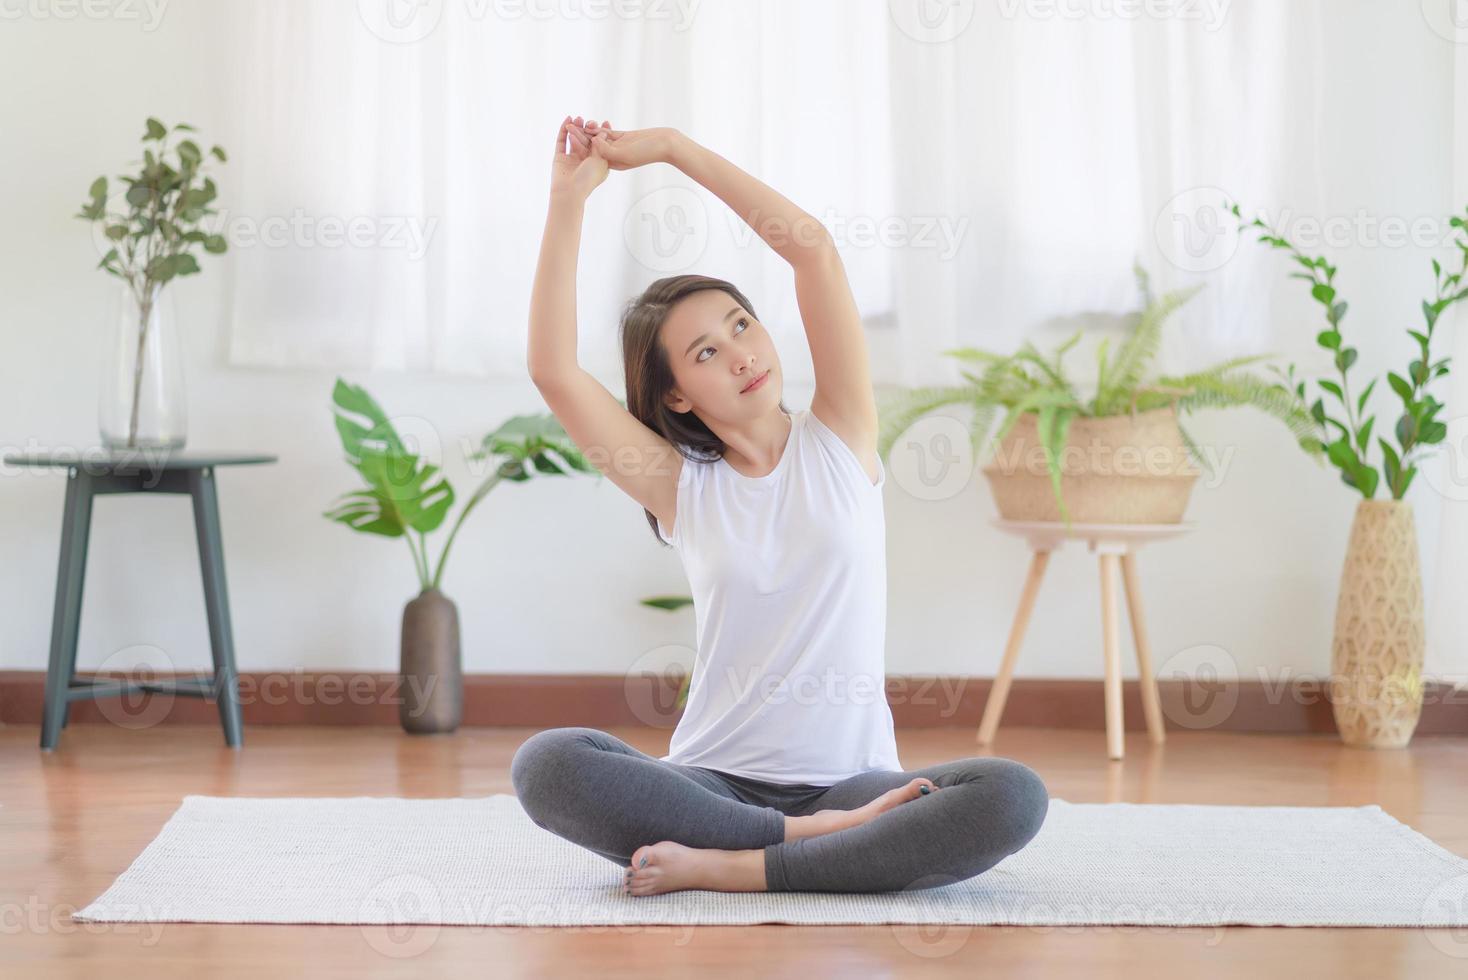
(742, 320)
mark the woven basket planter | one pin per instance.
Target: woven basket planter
(1117, 469)
(1380, 634)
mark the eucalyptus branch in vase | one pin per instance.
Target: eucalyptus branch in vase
(153, 240)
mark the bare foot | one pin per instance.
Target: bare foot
(830, 821)
(668, 866)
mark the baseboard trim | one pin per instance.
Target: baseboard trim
(1298, 706)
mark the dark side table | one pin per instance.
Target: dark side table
(95, 472)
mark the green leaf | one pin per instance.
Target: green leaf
(1338, 312)
(1334, 389)
(1366, 479)
(368, 510)
(1345, 357)
(1323, 293)
(668, 602)
(1399, 385)
(1393, 462)
(1341, 454)
(1330, 339)
(378, 432)
(1407, 475)
(534, 445)
(1363, 434)
(403, 486)
(1406, 430)
(156, 130)
(1138, 349)
(1365, 394)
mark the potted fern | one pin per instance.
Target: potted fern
(1380, 634)
(1114, 453)
(406, 496)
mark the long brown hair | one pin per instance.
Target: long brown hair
(649, 372)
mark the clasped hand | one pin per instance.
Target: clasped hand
(586, 150)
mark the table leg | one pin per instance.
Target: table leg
(76, 525)
(1151, 706)
(999, 693)
(1111, 643)
(216, 603)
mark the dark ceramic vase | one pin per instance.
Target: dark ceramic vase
(432, 689)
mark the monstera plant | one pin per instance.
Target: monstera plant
(408, 497)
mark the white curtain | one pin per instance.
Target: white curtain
(446, 139)
(1076, 146)
(986, 174)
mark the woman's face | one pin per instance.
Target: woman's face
(716, 349)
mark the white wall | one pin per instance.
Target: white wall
(547, 576)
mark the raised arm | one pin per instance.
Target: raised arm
(843, 397)
(637, 459)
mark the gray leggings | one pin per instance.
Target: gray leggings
(595, 790)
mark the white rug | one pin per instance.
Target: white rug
(480, 861)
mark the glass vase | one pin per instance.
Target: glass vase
(142, 401)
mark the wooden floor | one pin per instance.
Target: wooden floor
(72, 820)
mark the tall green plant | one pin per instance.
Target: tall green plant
(406, 495)
(1030, 381)
(1347, 441)
(154, 240)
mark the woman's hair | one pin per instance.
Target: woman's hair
(649, 373)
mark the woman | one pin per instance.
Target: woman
(783, 772)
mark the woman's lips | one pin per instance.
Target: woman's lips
(756, 382)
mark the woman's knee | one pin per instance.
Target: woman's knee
(1026, 801)
(543, 761)
(1013, 805)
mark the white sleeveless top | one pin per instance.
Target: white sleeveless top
(789, 580)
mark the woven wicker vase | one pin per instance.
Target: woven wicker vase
(1380, 633)
(1117, 469)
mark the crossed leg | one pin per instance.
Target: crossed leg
(595, 790)
(985, 808)
(876, 831)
